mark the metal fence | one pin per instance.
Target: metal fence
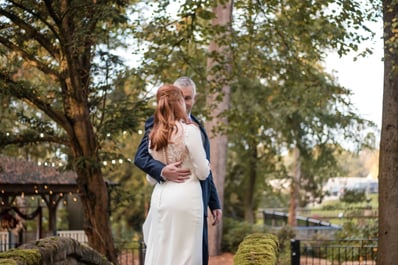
(133, 255)
(303, 252)
(332, 252)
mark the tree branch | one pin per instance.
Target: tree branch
(32, 32)
(20, 91)
(31, 138)
(29, 57)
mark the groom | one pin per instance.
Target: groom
(173, 172)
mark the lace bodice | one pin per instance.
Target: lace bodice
(176, 150)
(186, 146)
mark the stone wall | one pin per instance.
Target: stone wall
(53, 251)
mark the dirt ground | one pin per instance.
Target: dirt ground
(223, 259)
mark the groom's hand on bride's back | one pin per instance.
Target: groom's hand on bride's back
(173, 172)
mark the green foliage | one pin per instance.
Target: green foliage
(292, 101)
(130, 199)
(285, 234)
(353, 196)
(355, 217)
(235, 231)
(359, 228)
(34, 87)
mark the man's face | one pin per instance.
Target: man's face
(189, 98)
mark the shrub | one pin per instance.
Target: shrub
(353, 196)
(234, 232)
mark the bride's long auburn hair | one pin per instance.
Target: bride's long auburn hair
(170, 108)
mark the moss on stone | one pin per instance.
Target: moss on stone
(51, 250)
(257, 249)
(20, 256)
(8, 262)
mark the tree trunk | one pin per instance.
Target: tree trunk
(83, 139)
(91, 184)
(388, 171)
(294, 189)
(218, 142)
(250, 188)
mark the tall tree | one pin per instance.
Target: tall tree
(219, 67)
(388, 174)
(281, 45)
(65, 45)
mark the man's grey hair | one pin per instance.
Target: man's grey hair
(185, 81)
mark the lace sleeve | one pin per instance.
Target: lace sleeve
(193, 142)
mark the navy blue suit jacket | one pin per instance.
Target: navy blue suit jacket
(152, 167)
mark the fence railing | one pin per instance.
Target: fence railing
(78, 235)
(132, 255)
(4, 241)
(303, 252)
(332, 252)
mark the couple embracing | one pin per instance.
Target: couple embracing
(174, 153)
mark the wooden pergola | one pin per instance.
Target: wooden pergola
(25, 178)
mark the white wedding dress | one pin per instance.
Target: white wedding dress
(174, 226)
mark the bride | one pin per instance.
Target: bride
(174, 224)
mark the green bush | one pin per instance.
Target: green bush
(257, 249)
(353, 196)
(235, 231)
(285, 234)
